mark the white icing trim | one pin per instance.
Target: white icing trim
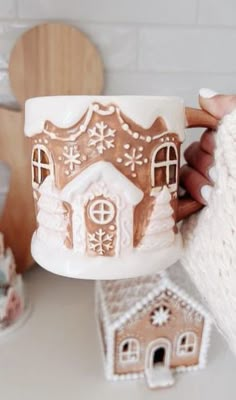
(65, 111)
(40, 165)
(78, 225)
(106, 172)
(124, 216)
(152, 346)
(166, 283)
(205, 343)
(100, 311)
(100, 215)
(167, 163)
(126, 377)
(130, 341)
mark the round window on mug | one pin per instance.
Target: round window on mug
(101, 211)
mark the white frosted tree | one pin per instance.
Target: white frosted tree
(51, 217)
(159, 232)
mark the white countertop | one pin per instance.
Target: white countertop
(56, 353)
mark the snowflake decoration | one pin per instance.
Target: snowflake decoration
(134, 158)
(72, 157)
(100, 241)
(102, 137)
(160, 316)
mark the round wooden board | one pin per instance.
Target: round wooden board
(54, 59)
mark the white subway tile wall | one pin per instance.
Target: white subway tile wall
(217, 12)
(8, 8)
(122, 11)
(148, 47)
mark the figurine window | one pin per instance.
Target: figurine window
(41, 164)
(187, 344)
(129, 351)
(165, 166)
(101, 211)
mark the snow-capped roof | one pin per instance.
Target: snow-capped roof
(124, 298)
(65, 111)
(105, 171)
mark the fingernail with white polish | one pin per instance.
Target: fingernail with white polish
(206, 192)
(207, 93)
(212, 174)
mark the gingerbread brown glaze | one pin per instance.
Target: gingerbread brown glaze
(145, 332)
(104, 133)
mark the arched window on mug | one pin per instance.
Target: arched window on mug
(164, 168)
(41, 164)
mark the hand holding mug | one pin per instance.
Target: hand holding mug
(105, 175)
(198, 175)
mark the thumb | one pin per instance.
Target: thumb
(216, 104)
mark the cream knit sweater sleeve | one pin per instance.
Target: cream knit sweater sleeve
(210, 237)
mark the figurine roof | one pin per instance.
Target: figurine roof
(124, 298)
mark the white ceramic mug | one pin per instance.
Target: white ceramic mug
(105, 173)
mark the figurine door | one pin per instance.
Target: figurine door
(158, 353)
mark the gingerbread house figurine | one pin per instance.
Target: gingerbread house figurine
(11, 289)
(105, 188)
(150, 327)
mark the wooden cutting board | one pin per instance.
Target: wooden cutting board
(49, 59)
(54, 59)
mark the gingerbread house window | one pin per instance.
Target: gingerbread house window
(129, 351)
(41, 164)
(101, 211)
(164, 168)
(187, 344)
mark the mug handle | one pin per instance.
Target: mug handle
(194, 118)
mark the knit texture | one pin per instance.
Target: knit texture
(210, 237)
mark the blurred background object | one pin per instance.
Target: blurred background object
(4, 184)
(12, 302)
(12, 299)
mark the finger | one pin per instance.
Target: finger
(208, 141)
(216, 104)
(195, 184)
(199, 159)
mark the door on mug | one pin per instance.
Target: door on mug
(101, 227)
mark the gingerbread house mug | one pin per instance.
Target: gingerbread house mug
(105, 178)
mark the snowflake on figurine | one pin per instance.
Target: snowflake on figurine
(160, 316)
(100, 242)
(101, 137)
(72, 157)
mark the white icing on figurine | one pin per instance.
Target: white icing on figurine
(144, 335)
